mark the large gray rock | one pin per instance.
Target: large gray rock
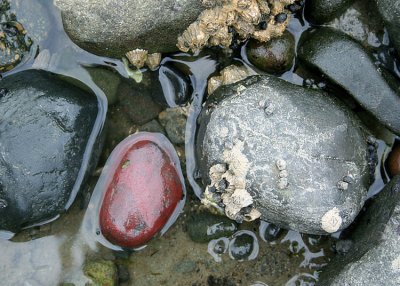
(347, 64)
(112, 28)
(45, 126)
(250, 130)
(390, 12)
(374, 258)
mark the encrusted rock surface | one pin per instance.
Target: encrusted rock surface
(293, 156)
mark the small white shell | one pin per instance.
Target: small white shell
(137, 57)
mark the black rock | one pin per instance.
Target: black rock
(48, 132)
(347, 64)
(390, 12)
(275, 56)
(323, 11)
(374, 257)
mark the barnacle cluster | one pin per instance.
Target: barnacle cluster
(216, 26)
(140, 57)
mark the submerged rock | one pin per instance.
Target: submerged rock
(204, 226)
(139, 194)
(275, 56)
(390, 12)
(101, 272)
(347, 64)
(152, 25)
(374, 258)
(322, 11)
(292, 156)
(47, 128)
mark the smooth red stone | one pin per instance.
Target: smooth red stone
(141, 196)
(393, 160)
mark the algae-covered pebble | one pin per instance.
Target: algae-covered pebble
(101, 272)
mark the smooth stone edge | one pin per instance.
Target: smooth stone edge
(91, 221)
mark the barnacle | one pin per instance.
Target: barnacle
(250, 13)
(221, 38)
(153, 60)
(137, 57)
(230, 74)
(193, 38)
(212, 28)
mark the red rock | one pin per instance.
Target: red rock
(393, 160)
(143, 190)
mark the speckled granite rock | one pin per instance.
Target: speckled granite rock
(295, 156)
(112, 28)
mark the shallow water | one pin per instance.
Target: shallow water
(55, 253)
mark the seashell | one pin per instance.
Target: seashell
(228, 75)
(212, 20)
(137, 57)
(193, 38)
(251, 13)
(153, 60)
(221, 38)
(243, 28)
(263, 6)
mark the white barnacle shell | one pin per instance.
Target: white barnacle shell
(153, 60)
(228, 75)
(193, 38)
(281, 164)
(251, 13)
(212, 20)
(243, 27)
(137, 57)
(243, 4)
(263, 6)
(221, 38)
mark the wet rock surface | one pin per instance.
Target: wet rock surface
(361, 22)
(390, 12)
(150, 25)
(275, 56)
(322, 11)
(45, 126)
(341, 59)
(140, 191)
(374, 257)
(204, 226)
(296, 156)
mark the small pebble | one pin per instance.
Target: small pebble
(281, 17)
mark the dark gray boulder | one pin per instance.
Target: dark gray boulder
(374, 258)
(45, 125)
(323, 11)
(390, 12)
(295, 156)
(112, 28)
(347, 64)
